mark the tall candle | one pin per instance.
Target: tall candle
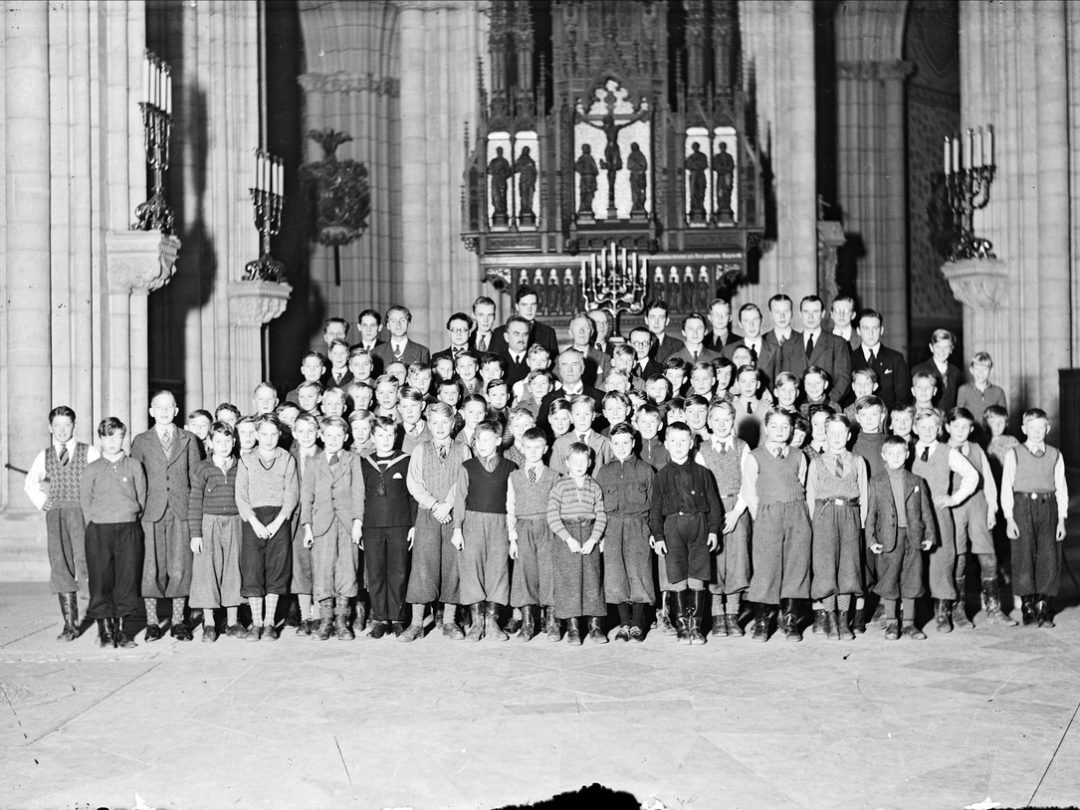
(948, 161)
(146, 77)
(583, 273)
(956, 154)
(990, 144)
(980, 158)
(970, 151)
(159, 101)
(281, 177)
(168, 92)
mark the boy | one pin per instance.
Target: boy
(980, 393)
(974, 519)
(899, 528)
(817, 418)
(521, 419)
(360, 423)
(576, 516)
(304, 450)
(264, 398)
(686, 519)
(902, 423)
(112, 493)
(333, 402)
(309, 396)
(774, 479)
(198, 424)
(527, 496)
(677, 372)
(312, 368)
(473, 412)
(267, 492)
(870, 415)
(360, 395)
(389, 528)
(228, 413)
(433, 472)
(361, 366)
(627, 486)
(1035, 500)
(215, 527)
(386, 397)
(168, 455)
(946, 376)
(997, 422)
(816, 384)
(836, 498)
(864, 383)
(724, 455)
(582, 413)
(937, 463)
(481, 534)
(332, 514)
(53, 485)
(245, 435)
(466, 367)
(924, 390)
(413, 427)
(786, 392)
(648, 422)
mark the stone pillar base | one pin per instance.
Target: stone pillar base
(252, 305)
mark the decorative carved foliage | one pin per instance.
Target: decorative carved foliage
(337, 192)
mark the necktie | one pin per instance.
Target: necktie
(749, 409)
(166, 441)
(723, 448)
(839, 468)
(778, 452)
(63, 455)
(482, 343)
(809, 346)
(873, 358)
(398, 350)
(925, 454)
(441, 450)
(532, 475)
(693, 357)
(334, 459)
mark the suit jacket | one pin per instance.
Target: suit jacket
(947, 387)
(329, 492)
(882, 523)
(596, 366)
(447, 352)
(651, 368)
(830, 353)
(515, 372)
(704, 354)
(376, 364)
(894, 379)
(545, 405)
(854, 341)
(539, 333)
(663, 349)
(412, 353)
(491, 338)
(328, 380)
(767, 361)
(168, 480)
(717, 346)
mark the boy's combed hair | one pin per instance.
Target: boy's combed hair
(959, 413)
(695, 399)
(923, 414)
(869, 401)
(703, 365)
(533, 434)
(247, 420)
(1034, 413)
(496, 383)
(222, 429)
(166, 392)
(268, 419)
(359, 415)
(536, 350)
(287, 405)
(369, 313)
(866, 372)
(331, 393)
(673, 363)
(814, 410)
(439, 409)
(109, 426)
(622, 429)
(648, 409)
(995, 410)
(677, 426)
(801, 424)
(263, 386)
(893, 441)
(356, 351)
(838, 419)
(61, 410)
(785, 377)
(982, 358)
(533, 375)
(623, 351)
(579, 449)
(819, 371)
(909, 409)
(489, 357)
(387, 378)
(409, 393)
(418, 367)
(774, 413)
(521, 412)
(942, 334)
(560, 404)
(582, 399)
(227, 406)
(617, 396)
(489, 426)
(310, 385)
(722, 405)
(318, 356)
(923, 375)
(384, 423)
(195, 414)
(334, 421)
(468, 354)
(749, 368)
(471, 398)
(306, 419)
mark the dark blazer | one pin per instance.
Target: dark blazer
(947, 387)
(447, 352)
(539, 333)
(882, 523)
(767, 361)
(327, 492)
(651, 368)
(491, 339)
(663, 349)
(596, 366)
(514, 371)
(705, 354)
(168, 480)
(597, 396)
(894, 379)
(328, 379)
(712, 343)
(830, 353)
(413, 353)
(376, 364)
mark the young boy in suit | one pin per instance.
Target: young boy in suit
(899, 528)
(169, 455)
(332, 514)
(304, 449)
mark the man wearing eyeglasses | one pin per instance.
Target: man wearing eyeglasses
(641, 340)
(459, 327)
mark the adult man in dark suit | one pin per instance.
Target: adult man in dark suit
(949, 377)
(399, 348)
(570, 367)
(526, 301)
(369, 324)
(460, 327)
(601, 318)
(516, 333)
(641, 341)
(894, 377)
(720, 331)
(483, 310)
(780, 309)
(657, 319)
(693, 331)
(841, 314)
(815, 347)
(768, 354)
(582, 333)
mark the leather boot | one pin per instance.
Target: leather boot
(1027, 609)
(122, 636)
(821, 623)
(596, 631)
(719, 625)
(789, 621)
(69, 607)
(450, 628)
(105, 634)
(360, 623)
(1042, 610)
(476, 631)
(942, 616)
(491, 625)
(734, 629)
(637, 623)
(551, 626)
(341, 619)
(677, 615)
(697, 608)
(843, 629)
(528, 623)
(762, 615)
(573, 631)
(664, 619)
(514, 623)
(326, 621)
(959, 607)
(992, 603)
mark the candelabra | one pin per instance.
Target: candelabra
(268, 200)
(155, 214)
(969, 171)
(614, 282)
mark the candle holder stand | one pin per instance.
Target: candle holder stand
(268, 207)
(968, 190)
(155, 214)
(615, 283)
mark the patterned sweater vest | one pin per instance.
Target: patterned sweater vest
(936, 471)
(827, 485)
(64, 480)
(531, 499)
(725, 467)
(778, 478)
(1034, 473)
(440, 475)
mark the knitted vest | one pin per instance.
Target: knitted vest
(827, 485)
(976, 456)
(64, 480)
(868, 445)
(440, 475)
(936, 471)
(778, 478)
(531, 499)
(487, 490)
(1034, 474)
(725, 467)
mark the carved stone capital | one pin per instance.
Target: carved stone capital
(254, 303)
(344, 82)
(140, 261)
(866, 71)
(979, 283)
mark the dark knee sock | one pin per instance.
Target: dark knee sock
(624, 613)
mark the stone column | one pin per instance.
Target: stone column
(26, 306)
(252, 305)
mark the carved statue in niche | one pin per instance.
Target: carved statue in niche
(696, 165)
(525, 167)
(638, 167)
(586, 167)
(724, 167)
(499, 171)
(612, 160)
